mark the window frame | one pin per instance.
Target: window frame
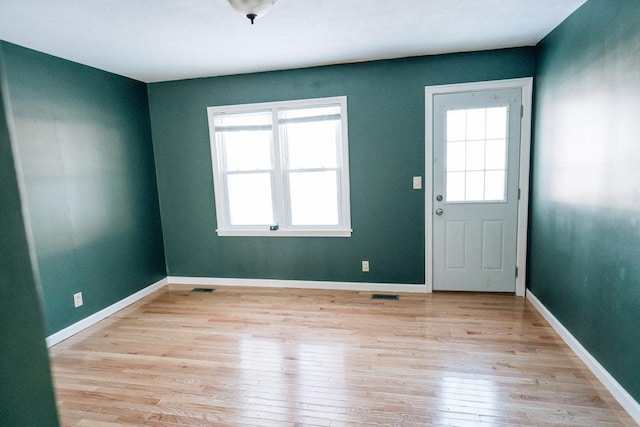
(279, 182)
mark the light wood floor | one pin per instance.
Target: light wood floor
(281, 357)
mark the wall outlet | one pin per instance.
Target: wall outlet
(417, 183)
(77, 299)
(365, 266)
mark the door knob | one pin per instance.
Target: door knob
(439, 211)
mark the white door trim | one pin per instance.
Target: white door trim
(526, 85)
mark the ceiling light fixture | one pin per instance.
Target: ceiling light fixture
(252, 9)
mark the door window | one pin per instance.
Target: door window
(476, 154)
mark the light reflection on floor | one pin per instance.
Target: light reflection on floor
(457, 393)
(305, 373)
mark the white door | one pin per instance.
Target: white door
(476, 148)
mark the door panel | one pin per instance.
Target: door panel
(476, 147)
(492, 245)
(456, 246)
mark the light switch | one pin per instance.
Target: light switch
(417, 182)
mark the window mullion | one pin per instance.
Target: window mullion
(278, 173)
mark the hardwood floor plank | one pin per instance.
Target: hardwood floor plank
(280, 357)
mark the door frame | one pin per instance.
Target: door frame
(526, 85)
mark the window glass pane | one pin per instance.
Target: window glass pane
(455, 186)
(496, 123)
(311, 144)
(250, 199)
(314, 198)
(476, 164)
(475, 155)
(476, 123)
(474, 189)
(244, 140)
(455, 156)
(456, 125)
(245, 151)
(496, 154)
(494, 185)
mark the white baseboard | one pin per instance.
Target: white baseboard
(618, 392)
(83, 324)
(71, 330)
(301, 284)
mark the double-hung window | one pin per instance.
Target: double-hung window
(281, 168)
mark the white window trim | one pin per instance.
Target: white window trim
(224, 229)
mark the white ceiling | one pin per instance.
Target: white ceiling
(158, 40)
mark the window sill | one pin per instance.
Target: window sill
(285, 233)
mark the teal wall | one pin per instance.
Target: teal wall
(85, 146)
(584, 256)
(386, 148)
(26, 392)
(85, 149)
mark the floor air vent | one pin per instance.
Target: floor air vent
(384, 296)
(202, 290)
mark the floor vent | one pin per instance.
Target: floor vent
(384, 296)
(202, 290)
